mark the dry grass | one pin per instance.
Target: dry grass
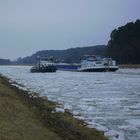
(23, 117)
(18, 121)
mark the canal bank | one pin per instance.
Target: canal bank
(25, 115)
(130, 66)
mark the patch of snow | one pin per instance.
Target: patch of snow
(134, 122)
(59, 110)
(98, 127)
(79, 117)
(128, 128)
(115, 135)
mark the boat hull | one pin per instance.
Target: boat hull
(98, 70)
(67, 67)
(43, 69)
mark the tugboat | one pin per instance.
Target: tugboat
(44, 64)
(91, 63)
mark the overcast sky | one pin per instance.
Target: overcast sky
(27, 26)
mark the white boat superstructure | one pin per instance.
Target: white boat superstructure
(97, 64)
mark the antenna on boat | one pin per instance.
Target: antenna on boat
(38, 57)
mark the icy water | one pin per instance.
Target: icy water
(107, 101)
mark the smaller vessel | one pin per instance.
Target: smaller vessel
(91, 63)
(44, 64)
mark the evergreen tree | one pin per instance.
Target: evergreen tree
(124, 45)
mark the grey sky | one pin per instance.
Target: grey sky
(27, 26)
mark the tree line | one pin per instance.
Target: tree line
(124, 44)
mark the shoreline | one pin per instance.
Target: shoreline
(52, 117)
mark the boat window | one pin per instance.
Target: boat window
(98, 62)
(90, 60)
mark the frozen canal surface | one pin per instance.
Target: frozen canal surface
(107, 101)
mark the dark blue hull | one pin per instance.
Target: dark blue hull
(67, 67)
(73, 67)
